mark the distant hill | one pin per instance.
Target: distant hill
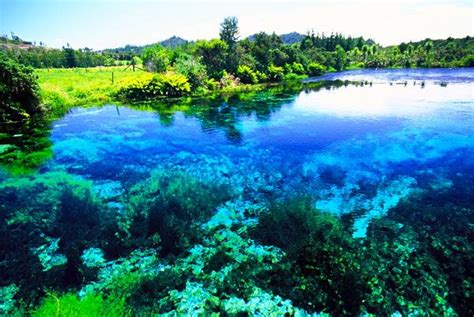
(289, 38)
(292, 38)
(172, 42)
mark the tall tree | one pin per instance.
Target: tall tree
(230, 31)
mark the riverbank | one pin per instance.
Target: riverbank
(61, 88)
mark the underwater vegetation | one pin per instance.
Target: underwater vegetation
(282, 257)
(165, 208)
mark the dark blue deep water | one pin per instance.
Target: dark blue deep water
(390, 149)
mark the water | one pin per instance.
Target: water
(358, 152)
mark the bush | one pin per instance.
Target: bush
(246, 75)
(18, 91)
(293, 76)
(275, 73)
(468, 61)
(316, 69)
(194, 71)
(212, 84)
(170, 84)
(295, 68)
(229, 80)
(156, 58)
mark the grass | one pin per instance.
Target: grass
(62, 89)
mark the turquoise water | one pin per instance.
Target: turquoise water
(369, 155)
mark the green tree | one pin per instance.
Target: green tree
(156, 58)
(229, 32)
(18, 90)
(213, 55)
(70, 57)
(340, 58)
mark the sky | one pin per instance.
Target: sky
(103, 24)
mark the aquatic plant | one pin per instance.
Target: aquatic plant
(46, 222)
(322, 268)
(25, 146)
(70, 305)
(165, 208)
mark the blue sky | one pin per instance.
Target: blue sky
(106, 23)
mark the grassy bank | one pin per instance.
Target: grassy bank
(62, 88)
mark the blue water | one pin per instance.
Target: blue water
(381, 134)
(357, 150)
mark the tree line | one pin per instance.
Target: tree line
(260, 58)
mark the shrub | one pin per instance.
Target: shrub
(136, 90)
(293, 76)
(212, 84)
(192, 69)
(229, 80)
(275, 73)
(316, 69)
(156, 58)
(261, 77)
(18, 90)
(468, 61)
(169, 84)
(246, 75)
(295, 68)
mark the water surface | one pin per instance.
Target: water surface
(357, 150)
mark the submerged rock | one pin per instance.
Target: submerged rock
(48, 255)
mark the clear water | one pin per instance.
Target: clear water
(382, 134)
(356, 150)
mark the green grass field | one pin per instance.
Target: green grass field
(62, 89)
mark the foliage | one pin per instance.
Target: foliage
(24, 155)
(192, 69)
(229, 32)
(18, 91)
(169, 84)
(213, 55)
(275, 73)
(316, 69)
(247, 75)
(156, 58)
(228, 81)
